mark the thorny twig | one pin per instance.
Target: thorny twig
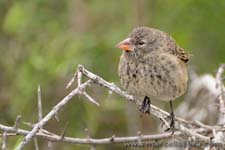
(39, 104)
(36, 143)
(196, 130)
(102, 141)
(4, 135)
(222, 92)
(51, 114)
(16, 124)
(219, 136)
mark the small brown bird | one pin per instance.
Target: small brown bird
(153, 65)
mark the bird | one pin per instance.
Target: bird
(153, 65)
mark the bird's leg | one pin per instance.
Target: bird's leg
(146, 105)
(172, 127)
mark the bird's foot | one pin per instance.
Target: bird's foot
(172, 123)
(146, 105)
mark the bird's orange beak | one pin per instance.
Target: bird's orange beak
(125, 45)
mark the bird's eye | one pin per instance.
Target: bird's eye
(140, 43)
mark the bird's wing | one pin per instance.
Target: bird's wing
(173, 48)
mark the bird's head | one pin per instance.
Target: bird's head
(141, 40)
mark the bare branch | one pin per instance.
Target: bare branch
(222, 94)
(87, 133)
(204, 126)
(4, 135)
(39, 104)
(93, 147)
(56, 116)
(94, 141)
(139, 135)
(194, 134)
(52, 113)
(17, 121)
(90, 99)
(186, 129)
(9, 134)
(36, 143)
(165, 122)
(79, 77)
(50, 145)
(219, 136)
(72, 80)
(64, 131)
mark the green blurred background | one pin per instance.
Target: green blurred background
(43, 41)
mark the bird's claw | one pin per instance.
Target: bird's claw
(146, 106)
(172, 124)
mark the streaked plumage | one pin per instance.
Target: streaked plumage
(153, 65)
(157, 68)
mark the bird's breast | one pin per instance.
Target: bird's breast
(156, 76)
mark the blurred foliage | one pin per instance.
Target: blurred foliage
(42, 42)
